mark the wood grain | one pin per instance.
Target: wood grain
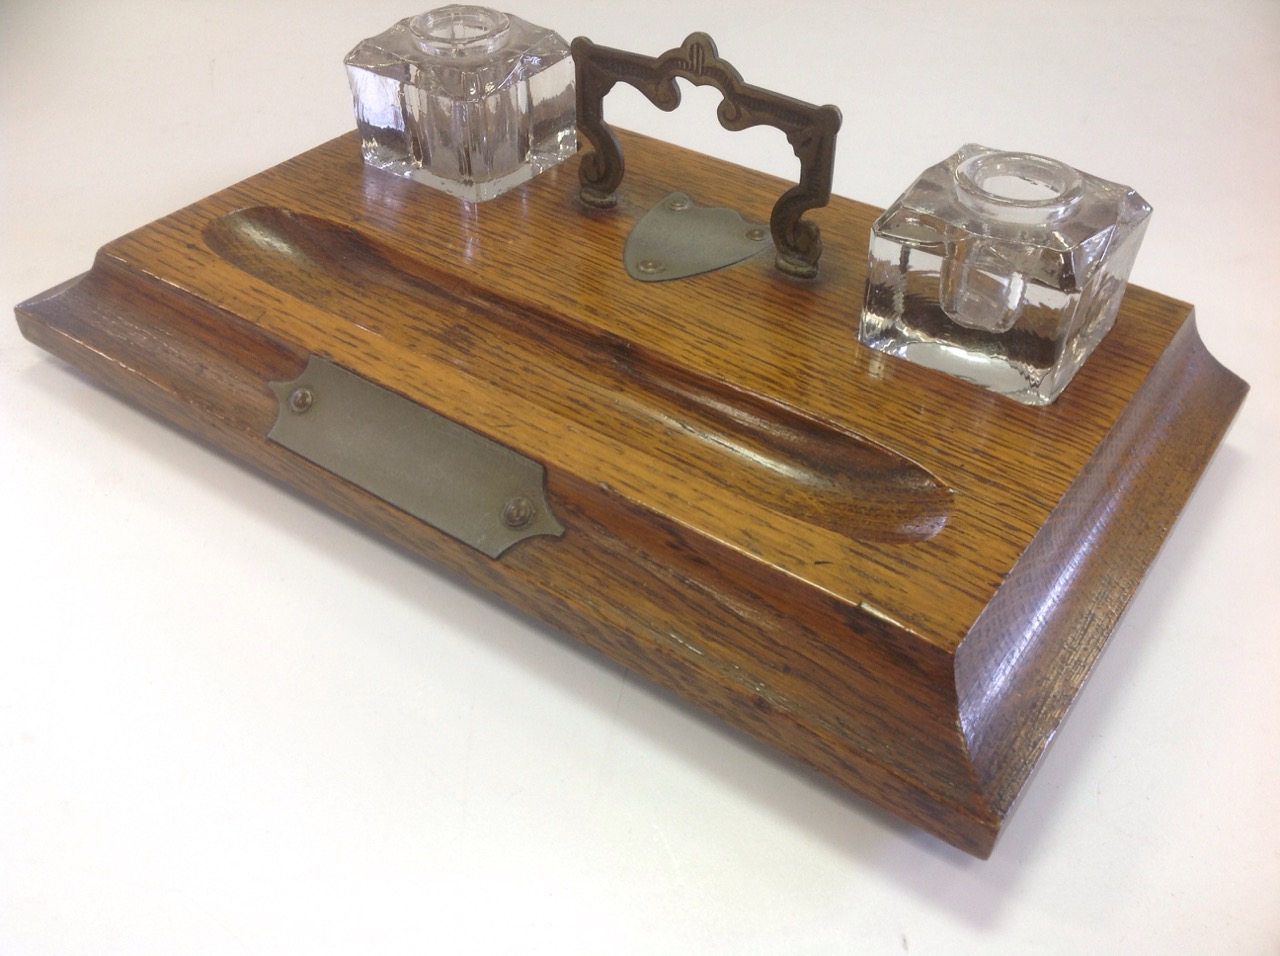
(890, 575)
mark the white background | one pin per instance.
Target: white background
(233, 723)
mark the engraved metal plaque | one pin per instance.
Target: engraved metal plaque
(460, 482)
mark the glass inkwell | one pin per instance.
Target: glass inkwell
(465, 99)
(1004, 269)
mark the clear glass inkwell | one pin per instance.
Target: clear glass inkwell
(466, 99)
(1004, 269)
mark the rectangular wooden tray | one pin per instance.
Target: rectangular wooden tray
(888, 574)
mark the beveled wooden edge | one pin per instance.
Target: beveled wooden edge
(1037, 641)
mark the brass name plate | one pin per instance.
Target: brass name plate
(460, 482)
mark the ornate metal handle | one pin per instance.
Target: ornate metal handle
(811, 131)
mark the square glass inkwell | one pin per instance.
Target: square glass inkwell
(464, 98)
(1005, 269)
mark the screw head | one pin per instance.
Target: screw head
(301, 399)
(756, 234)
(679, 204)
(651, 266)
(518, 512)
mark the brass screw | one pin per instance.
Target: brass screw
(301, 399)
(518, 512)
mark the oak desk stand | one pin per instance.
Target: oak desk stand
(898, 578)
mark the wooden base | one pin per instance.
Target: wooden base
(895, 577)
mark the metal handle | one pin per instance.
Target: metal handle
(811, 131)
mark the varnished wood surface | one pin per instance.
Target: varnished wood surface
(890, 575)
